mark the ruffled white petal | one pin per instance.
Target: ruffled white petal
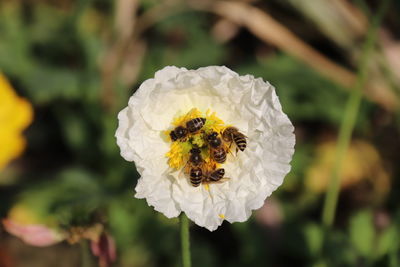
(248, 103)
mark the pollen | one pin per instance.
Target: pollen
(198, 140)
(222, 216)
(177, 154)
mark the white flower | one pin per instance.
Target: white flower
(245, 102)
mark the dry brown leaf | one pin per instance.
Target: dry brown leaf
(132, 62)
(338, 19)
(270, 31)
(224, 30)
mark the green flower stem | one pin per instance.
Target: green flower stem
(393, 254)
(185, 242)
(85, 254)
(349, 119)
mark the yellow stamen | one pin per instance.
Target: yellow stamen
(222, 216)
(177, 154)
(213, 123)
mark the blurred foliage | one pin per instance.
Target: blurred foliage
(187, 40)
(55, 54)
(305, 96)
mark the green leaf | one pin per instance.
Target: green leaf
(313, 235)
(46, 84)
(71, 196)
(362, 233)
(15, 58)
(386, 241)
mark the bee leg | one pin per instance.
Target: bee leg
(229, 148)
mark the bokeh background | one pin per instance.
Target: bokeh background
(69, 66)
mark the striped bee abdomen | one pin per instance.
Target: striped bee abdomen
(217, 175)
(218, 154)
(240, 141)
(196, 176)
(195, 124)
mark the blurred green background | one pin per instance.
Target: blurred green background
(78, 61)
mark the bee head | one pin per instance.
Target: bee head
(212, 136)
(195, 150)
(173, 136)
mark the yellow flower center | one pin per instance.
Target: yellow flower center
(179, 153)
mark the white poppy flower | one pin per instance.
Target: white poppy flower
(225, 99)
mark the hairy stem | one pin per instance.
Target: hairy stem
(185, 242)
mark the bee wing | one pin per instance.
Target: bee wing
(182, 172)
(224, 179)
(220, 181)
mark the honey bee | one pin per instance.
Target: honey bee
(196, 171)
(178, 133)
(195, 124)
(232, 134)
(214, 176)
(217, 151)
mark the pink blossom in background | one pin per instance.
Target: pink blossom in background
(33, 234)
(104, 249)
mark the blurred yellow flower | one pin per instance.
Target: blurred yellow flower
(15, 115)
(362, 163)
(22, 213)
